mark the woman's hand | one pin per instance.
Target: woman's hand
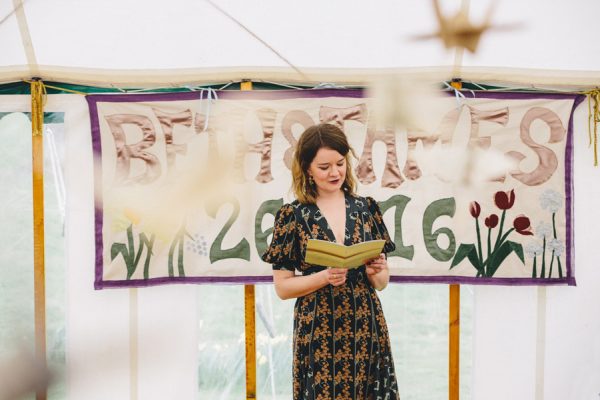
(376, 265)
(335, 276)
(378, 272)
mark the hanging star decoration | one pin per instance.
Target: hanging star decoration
(458, 31)
(403, 102)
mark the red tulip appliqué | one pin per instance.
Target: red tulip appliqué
(502, 247)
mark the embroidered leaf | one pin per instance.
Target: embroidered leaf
(475, 261)
(500, 255)
(116, 249)
(518, 249)
(463, 251)
(130, 256)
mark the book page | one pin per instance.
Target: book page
(330, 254)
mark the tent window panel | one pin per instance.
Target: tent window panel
(16, 245)
(417, 318)
(16, 237)
(221, 345)
(274, 328)
(467, 304)
(55, 252)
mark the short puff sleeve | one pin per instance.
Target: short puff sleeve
(283, 250)
(378, 228)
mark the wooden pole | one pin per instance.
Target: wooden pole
(250, 320)
(250, 324)
(454, 303)
(454, 343)
(39, 275)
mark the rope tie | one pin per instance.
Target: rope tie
(211, 95)
(456, 87)
(38, 101)
(593, 119)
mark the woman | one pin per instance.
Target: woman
(341, 343)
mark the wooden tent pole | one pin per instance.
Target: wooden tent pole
(39, 275)
(250, 319)
(454, 295)
(454, 325)
(454, 343)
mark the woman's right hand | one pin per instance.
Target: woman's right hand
(288, 285)
(335, 276)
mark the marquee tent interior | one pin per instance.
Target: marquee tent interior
(187, 341)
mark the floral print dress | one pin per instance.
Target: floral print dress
(341, 343)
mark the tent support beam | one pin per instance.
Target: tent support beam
(39, 275)
(19, 11)
(250, 319)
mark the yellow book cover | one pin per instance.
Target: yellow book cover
(330, 254)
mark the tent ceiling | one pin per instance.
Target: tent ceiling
(129, 42)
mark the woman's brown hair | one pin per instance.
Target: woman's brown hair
(311, 140)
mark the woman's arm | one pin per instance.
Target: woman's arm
(378, 272)
(288, 285)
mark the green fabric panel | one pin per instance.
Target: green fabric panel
(24, 88)
(15, 88)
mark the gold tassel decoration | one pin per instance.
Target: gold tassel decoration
(593, 120)
(38, 99)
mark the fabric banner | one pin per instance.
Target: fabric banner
(187, 187)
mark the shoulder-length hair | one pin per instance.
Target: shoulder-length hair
(311, 140)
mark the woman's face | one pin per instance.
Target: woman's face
(328, 170)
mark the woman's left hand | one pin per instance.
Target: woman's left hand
(376, 265)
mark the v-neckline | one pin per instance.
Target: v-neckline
(327, 227)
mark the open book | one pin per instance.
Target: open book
(330, 254)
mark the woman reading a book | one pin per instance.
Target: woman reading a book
(341, 342)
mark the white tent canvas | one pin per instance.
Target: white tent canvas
(184, 41)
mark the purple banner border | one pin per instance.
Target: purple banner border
(98, 215)
(99, 283)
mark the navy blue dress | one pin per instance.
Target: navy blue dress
(341, 342)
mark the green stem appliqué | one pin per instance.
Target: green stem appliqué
(560, 271)
(543, 272)
(177, 243)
